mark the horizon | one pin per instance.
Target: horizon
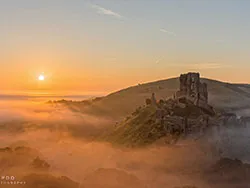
(87, 95)
(64, 48)
(125, 93)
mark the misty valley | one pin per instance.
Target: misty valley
(182, 132)
(124, 94)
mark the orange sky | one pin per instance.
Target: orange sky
(88, 48)
(67, 79)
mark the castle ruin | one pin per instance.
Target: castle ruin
(188, 108)
(192, 88)
(193, 91)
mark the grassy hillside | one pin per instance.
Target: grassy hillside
(122, 103)
(137, 130)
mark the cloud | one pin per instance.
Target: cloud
(206, 65)
(202, 66)
(158, 60)
(104, 11)
(210, 65)
(168, 32)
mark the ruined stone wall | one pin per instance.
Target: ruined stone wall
(192, 88)
(203, 92)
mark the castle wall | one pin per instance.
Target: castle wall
(192, 88)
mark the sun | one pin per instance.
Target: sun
(41, 77)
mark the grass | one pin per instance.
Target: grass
(138, 130)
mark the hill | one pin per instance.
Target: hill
(186, 112)
(221, 95)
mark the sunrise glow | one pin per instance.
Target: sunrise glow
(41, 77)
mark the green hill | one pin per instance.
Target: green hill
(137, 130)
(235, 97)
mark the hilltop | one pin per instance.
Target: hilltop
(186, 112)
(223, 96)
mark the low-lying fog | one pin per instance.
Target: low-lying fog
(65, 139)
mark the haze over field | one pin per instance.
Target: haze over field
(66, 139)
(90, 94)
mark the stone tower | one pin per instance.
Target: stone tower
(192, 89)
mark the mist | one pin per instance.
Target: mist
(232, 142)
(66, 141)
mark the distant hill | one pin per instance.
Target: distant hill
(117, 105)
(230, 97)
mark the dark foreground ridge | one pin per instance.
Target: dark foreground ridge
(186, 112)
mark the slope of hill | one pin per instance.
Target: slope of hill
(138, 130)
(230, 97)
